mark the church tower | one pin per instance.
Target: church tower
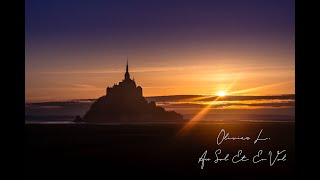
(127, 75)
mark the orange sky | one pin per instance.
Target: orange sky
(75, 50)
(248, 78)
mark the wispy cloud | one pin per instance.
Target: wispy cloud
(217, 69)
(183, 101)
(196, 98)
(135, 70)
(78, 85)
(231, 104)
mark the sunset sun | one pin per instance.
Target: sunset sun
(221, 93)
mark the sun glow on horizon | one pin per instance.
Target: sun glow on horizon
(221, 93)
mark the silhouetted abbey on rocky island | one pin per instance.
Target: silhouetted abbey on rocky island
(124, 102)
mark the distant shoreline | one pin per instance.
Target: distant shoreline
(164, 123)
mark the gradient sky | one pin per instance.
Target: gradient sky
(75, 49)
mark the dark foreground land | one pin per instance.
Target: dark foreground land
(79, 150)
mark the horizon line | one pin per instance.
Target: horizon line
(154, 96)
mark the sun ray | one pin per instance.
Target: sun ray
(260, 87)
(196, 98)
(196, 118)
(200, 114)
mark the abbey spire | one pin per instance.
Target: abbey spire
(127, 75)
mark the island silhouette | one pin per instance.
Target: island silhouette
(125, 103)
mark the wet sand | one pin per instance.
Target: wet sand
(79, 150)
